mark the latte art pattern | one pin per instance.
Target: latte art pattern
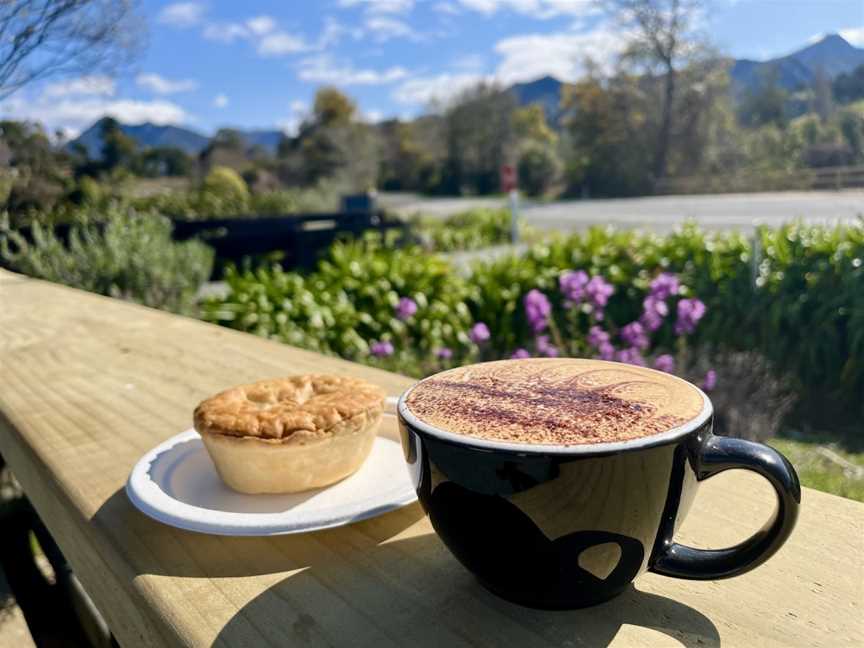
(563, 401)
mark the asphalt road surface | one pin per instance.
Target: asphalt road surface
(660, 213)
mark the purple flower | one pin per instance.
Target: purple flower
(606, 351)
(444, 353)
(654, 310)
(598, 291)
(665, 363)
(572, 285)
(406, 308)
(690, 311)
(597, 337)
(520, 354)
(381, 349)
(710, 381)
(537, 310)
(634, 335)
(546, 348)
(630, 356)
(664, 286)
(479, 333)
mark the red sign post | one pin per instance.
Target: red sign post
(509, 184)
(508, 178)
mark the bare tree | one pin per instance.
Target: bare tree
(41, 38)
(663, 38)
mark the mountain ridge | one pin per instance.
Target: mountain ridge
(831, 55)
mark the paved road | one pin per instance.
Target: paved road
(662, 213)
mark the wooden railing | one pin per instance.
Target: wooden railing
(828, 178)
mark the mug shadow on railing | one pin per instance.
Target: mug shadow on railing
(357, 582)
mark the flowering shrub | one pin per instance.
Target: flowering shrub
(584, 299)
(618, 295)
(394, 308)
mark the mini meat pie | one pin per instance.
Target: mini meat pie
(290, 434)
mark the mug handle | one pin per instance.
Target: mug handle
(717, 454)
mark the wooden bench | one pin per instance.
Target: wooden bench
(88, 384)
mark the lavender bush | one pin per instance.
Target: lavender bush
(580, 328)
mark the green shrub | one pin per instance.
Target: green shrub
(226, 183)
(539, 169)
(350, 301)
(468, 230)
(804, 313)
(802, 310)
(129, 255)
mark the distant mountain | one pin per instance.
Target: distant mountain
(833, 55)
(146, 135)
(545, 91)
(149, 135)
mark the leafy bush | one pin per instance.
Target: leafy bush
(802, 309)
(225, 183)
(539, 169)
(351, 306)
(129, 255)
(804, 312)
(468, 230)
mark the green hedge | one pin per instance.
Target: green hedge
(350, 301)
(126, 255)
(804, 312)
(468, 230)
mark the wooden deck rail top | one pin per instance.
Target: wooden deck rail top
(88, 384)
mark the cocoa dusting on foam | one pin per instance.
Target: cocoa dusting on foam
(556, 401)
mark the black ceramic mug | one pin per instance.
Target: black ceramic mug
(570, 526)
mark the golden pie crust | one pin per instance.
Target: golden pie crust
(290, 434)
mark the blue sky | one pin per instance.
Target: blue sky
(256, 64)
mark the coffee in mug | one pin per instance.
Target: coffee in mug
(556, 482)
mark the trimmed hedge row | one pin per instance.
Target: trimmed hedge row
(796, 296)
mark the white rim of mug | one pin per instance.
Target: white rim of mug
(650, 441)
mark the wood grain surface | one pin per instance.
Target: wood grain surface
(88, 384)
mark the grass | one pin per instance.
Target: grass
(821, 466)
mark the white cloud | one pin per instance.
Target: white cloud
(380, 6)
(280, 43)
(854, 35)
(225, 32)
(291, 124)
(71, 115)
(334, 32)
(220, 101)
(373, 116)
(261, 25)
(262, 31)
(323, 69)
(424, 90)
(161, 85)
(561, 54)
(383, 28)
(446, 8)
(86, 85)
(182, 14)
(470, 63)
(534, 8)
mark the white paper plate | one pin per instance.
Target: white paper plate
(177, 484)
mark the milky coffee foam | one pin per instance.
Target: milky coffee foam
(564, 401)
